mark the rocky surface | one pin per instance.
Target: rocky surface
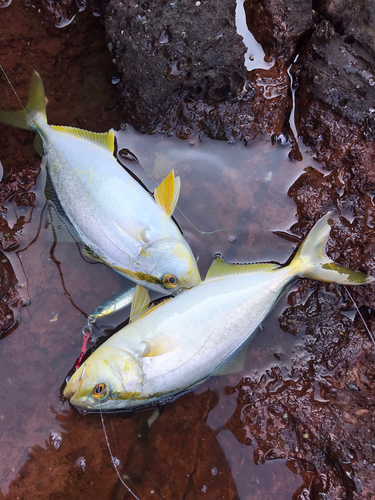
(163, 53)
(279, 25)
(299, 424)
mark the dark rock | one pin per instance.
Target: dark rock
(167, 51)
(354, 19)
(59, 12)
(322, 426)
(278, 25)
(341, 75)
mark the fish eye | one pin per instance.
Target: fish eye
(170, 281)
(100, 391)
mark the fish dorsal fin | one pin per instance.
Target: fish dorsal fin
(221, 268)
(105, 140)
(140, 304)
(166, 194)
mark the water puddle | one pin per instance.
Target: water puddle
(232, 199)
(255, 56)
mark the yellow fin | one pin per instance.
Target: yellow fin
(311, 260)
(105, 140)
(35, 107)
(140, 304)
(166, 194)
(220, 268)
(159, 346)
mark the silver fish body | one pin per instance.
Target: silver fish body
(177, 345)
(112, 214)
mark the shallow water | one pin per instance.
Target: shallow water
(232, 198)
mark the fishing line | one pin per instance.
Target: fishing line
(360, 314)
(113, 459)
(14, 90)
(181, 212)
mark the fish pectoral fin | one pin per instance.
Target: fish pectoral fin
(140, 304)
(167, 193)
(105, 140)
(158, 346)
(235, 364)
(221, 268)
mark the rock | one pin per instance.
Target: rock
(278, 24)
(351, 18)
(166, 51)
(341, 75)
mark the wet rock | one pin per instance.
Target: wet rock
(340, 73)
(59, 12)
(311, 417)
(167, 50)
(259, 111)
(351, 18)
(279, 25)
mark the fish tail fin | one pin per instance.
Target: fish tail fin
(311, 260)
(35, 108)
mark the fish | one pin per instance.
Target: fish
(174, 346)
(111, 306)
(120, 223)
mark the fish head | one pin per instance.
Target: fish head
(174, 264)
(107, 377)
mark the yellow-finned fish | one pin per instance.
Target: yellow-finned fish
(120, 223)
(205, 331)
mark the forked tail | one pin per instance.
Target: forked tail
(35, 107)
(311, 260)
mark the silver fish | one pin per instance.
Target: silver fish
(172, 347)
(120, 223)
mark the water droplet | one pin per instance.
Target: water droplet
(81, 463)
(232, 239)
(214, 471)
(165, 37)
(55, 439)
(197, 4)
(116, 461)
(116, 79)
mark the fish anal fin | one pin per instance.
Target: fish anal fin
(38, 144)
(104, 140)
(167, 193)
(159, 346)
(235, 364)
(221, 268)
